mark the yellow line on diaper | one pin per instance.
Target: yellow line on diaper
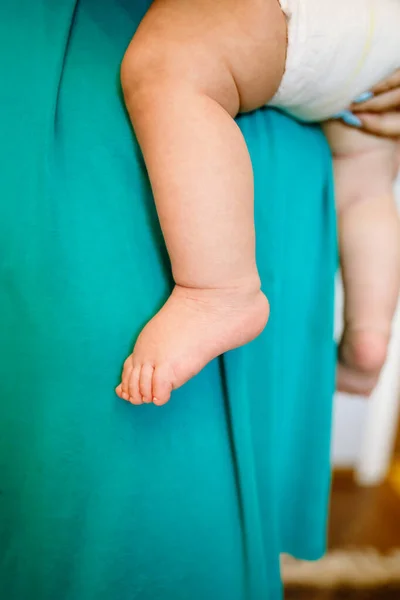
(364, 55)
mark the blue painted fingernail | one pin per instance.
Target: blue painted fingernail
(349, 118)
(364, 97)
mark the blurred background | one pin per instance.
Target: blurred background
(363, 559)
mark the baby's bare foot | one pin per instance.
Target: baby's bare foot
(362, 355)
(193, 327)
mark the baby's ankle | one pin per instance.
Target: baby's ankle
(248, 285)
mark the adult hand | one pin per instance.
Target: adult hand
(380, 114)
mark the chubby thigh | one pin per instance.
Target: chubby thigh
(233, 51)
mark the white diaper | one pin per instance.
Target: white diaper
(337, 49)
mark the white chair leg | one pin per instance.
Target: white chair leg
(382, 418)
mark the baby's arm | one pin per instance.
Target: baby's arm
(190, 68)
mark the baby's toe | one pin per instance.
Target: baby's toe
(146, 383)
(162, 386)
(350, 381)
(135, 396)
(126, 374)
(118, 390)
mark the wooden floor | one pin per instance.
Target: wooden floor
(364, 517)
(343, 595)
(360, 518)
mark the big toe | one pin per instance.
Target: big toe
(123, 389)
(162, 385)
(146, 382)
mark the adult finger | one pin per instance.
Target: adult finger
(382, 103)
(382, 124)
(388, 84)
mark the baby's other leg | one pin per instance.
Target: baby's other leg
(191, 67)
(369, 237)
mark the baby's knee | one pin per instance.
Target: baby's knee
(157, 71)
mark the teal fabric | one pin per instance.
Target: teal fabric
(100, 500)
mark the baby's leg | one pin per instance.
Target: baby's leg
(369, 237)
(191, 67)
